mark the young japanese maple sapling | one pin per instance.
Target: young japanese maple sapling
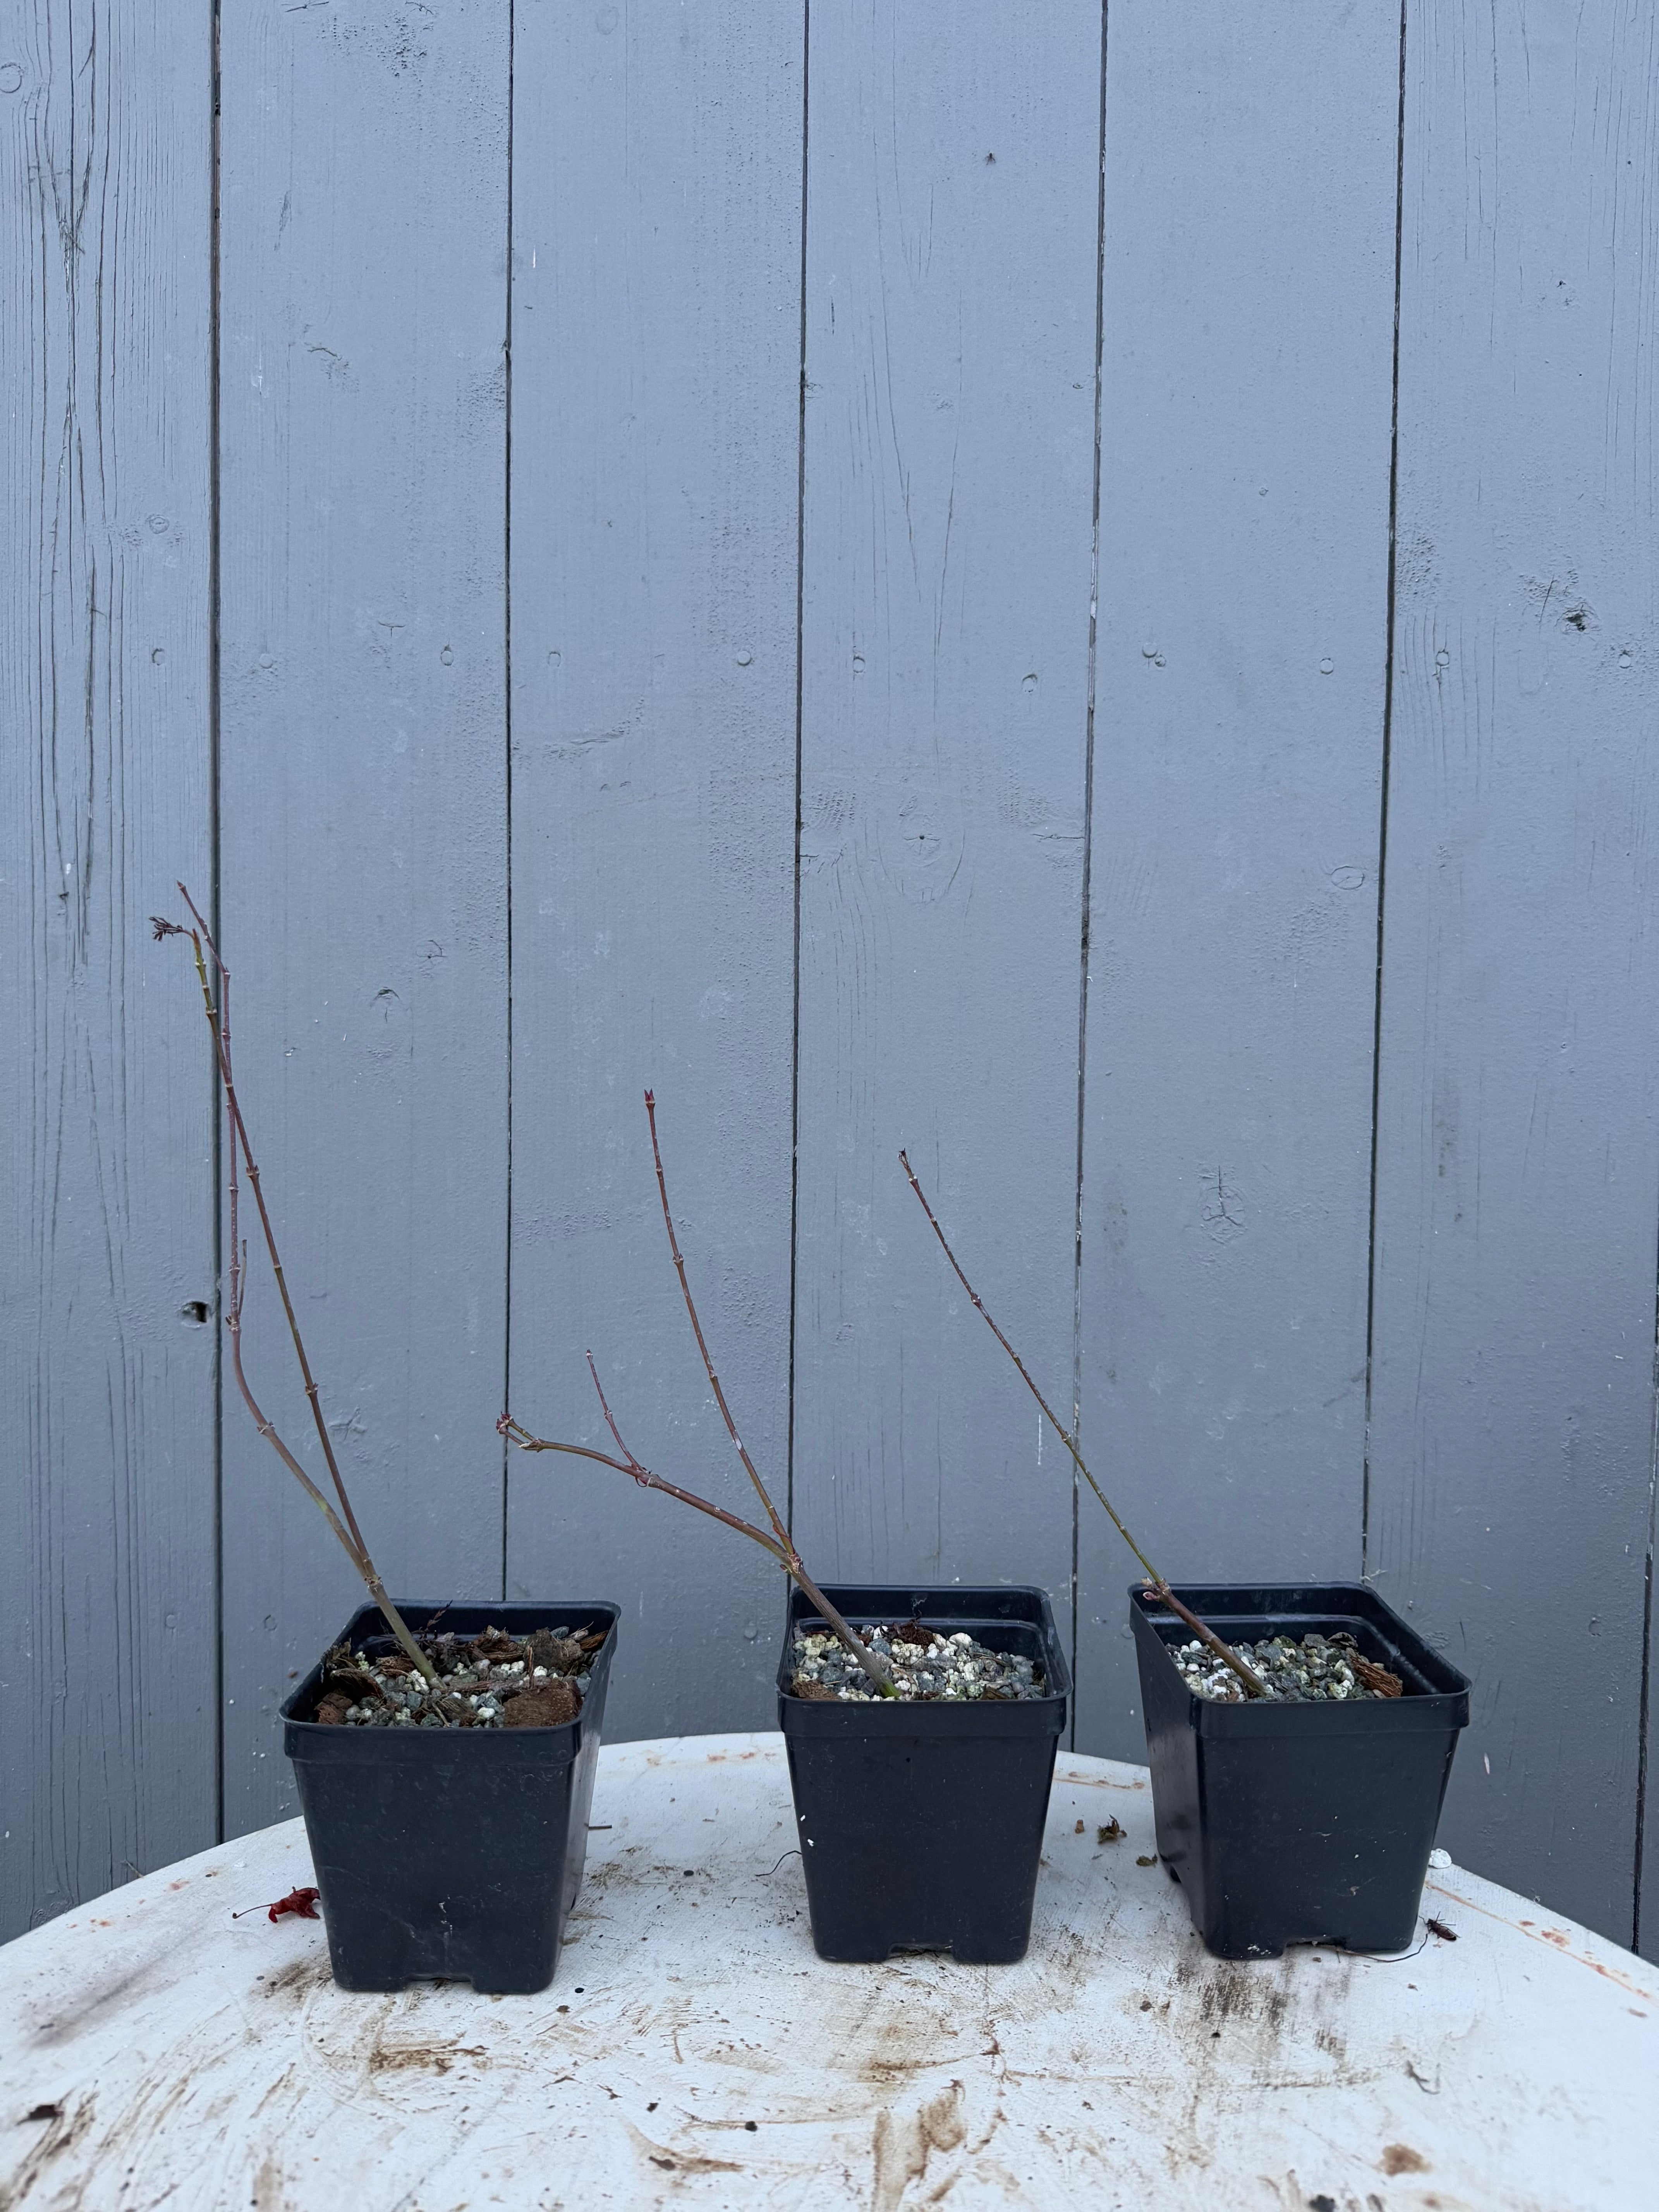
(211, 970)
(775, 1539)
(1253, 1686)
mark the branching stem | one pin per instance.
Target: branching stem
(1252, 1681)
(779, 1543)
(784, 1552)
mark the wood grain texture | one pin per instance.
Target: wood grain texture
(1518, 1169)
(952, 256)
(1249, 297)
(108, 1634)
(363, 799)
(655, 414)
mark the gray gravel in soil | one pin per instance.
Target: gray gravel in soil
(479, 1677)
(1317, 1669)
(949, 1666)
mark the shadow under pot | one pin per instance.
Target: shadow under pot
(920, 1822)
(1297, 1821)
(449, 1852)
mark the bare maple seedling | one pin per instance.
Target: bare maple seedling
(1252, 1683)
(775, 1539)
(211, 969)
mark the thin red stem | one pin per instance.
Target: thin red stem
(772, 1513)
(779, 1547)
(515, 1433)
(1225, 1652)
(610, 1418)
(350, 1536)
(786, 1552)
(238, 1129)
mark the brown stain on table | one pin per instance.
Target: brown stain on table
(902, 2142)
(1556, 1938)
(667, 2160)
(60, 2133)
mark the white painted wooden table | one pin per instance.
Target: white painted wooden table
(694, 2050)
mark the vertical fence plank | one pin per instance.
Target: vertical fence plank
(1646, 1915)
(1249, 297)
(363, 799)
(952, 257)
(1519, 1128)
(655, 414)
(109, 1640)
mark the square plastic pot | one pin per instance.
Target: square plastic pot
(1297, 1823)
(921, 1826)
(454, 1853)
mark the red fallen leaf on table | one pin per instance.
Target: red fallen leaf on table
(302, 1903)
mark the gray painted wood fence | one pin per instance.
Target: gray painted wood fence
(1077, 592)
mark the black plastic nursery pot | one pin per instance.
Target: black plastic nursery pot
(921, 1824)
(452, 1853)
(1290, 1823)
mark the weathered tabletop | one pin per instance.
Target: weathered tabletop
(693, 2050)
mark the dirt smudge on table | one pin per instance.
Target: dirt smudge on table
(60, 2132)
(1401, 2158)
(1232, 1993)
(666, 2158)
(903, 2032)
(1556, 1938)
(902, 2142)
(107, 1997)
(269, 2189)
(298, 1980)
(430, 2057)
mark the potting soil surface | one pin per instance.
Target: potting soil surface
(1317, 1667)
(928, 1665)
(492, 1679)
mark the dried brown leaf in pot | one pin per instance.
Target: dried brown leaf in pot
(544, 1705)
